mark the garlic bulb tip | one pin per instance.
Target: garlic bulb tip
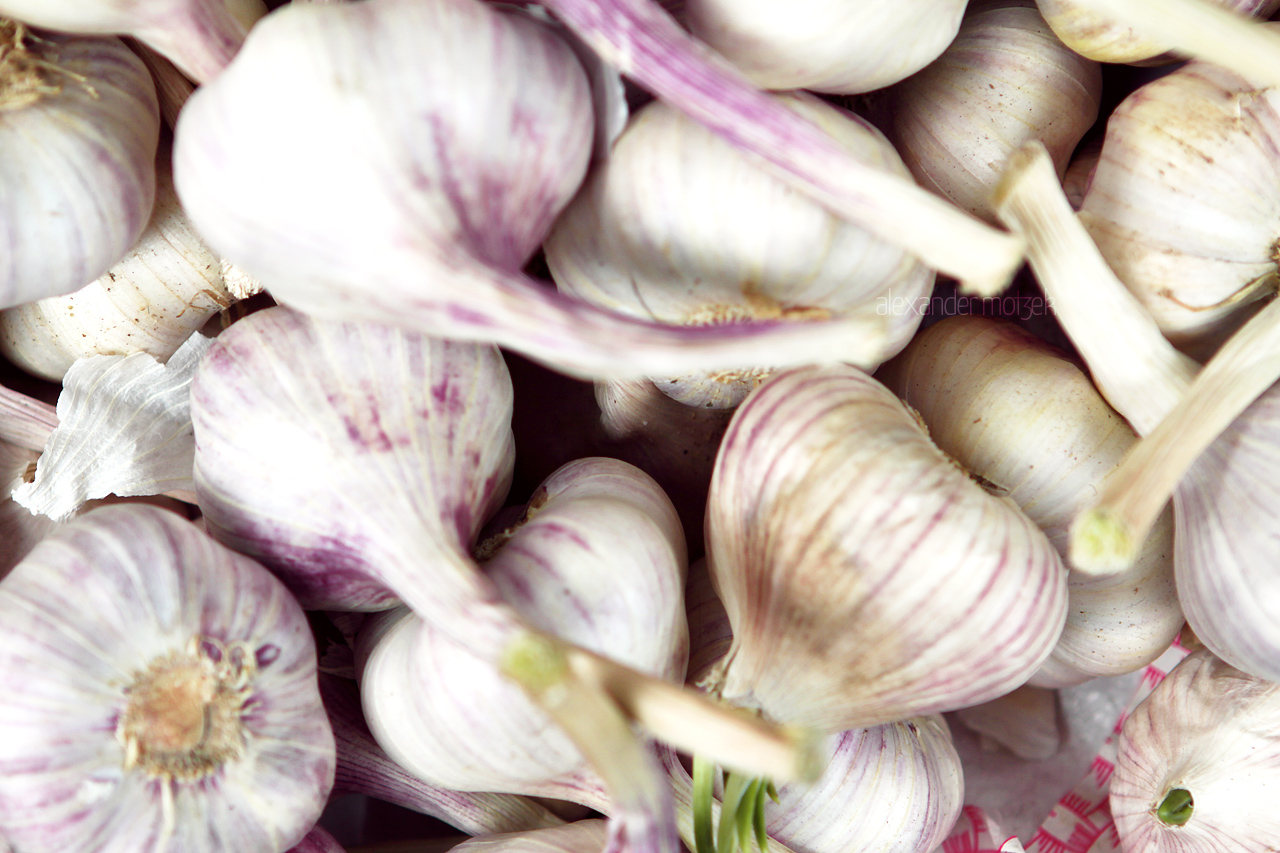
(1176, 807)
(1101, 540)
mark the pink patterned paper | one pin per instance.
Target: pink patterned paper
(1081, 821)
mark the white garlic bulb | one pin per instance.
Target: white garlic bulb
(1197, 763)
(1178, 205)
(678, 227)
(199, 36)
(867, 578)
(1005, 79)
(826, 45)
(152, 300)
(168, 697)
(79, 126)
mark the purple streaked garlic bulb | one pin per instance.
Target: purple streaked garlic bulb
(168, 698)
(333, 452)
(826, 45)
(79, 125)
(679, 227)
(1005, 79)
(199, 36)
(598, 558)
(867, 578)
(1198, 762)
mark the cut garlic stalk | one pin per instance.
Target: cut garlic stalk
(677, 226)
(168, 695)
(1029, 425)
(1004, 80)
(153, 299)
(200, 36)
(860, 566)
(124, 429)
(79, 127)
(1198, 761)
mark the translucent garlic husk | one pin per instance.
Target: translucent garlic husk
(1214, 732)
(164, 289)
(1004, 80)
(333, 451)
(867, 578)
(364, 768)
(598, 558)
(826, 45)
(199, 36)
(1024, 722)
(1179, 204)
(1028, 422)
(907, 773)
(79, 126)
(168, 695)
(1103, 39)
(679, 227)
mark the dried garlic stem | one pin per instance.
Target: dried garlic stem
(1203, 30)
(1139, 372)
(1110, 533)
(645, 43)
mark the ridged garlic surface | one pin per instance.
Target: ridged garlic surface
(1018, 414)
(1213, 732)
(199, 36)
(168, 695)
(867, 578)
(598, 559)
(1005, 79)
(826, 45)
(1181, 204)
(679, 227)
(152, 300)
(79, 125)
(1105, 40)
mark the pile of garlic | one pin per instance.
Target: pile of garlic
(715, 540)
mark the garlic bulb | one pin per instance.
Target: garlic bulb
(678, 227)
(599, 559)
(826, 45)
(866, 577)
(1094, 33)
(79, 127)
(1178, 205)
(1198, 761)
(1029, 423)
(200, 36)
(168, 695)
(166, 287)
(583, 836)
(318, 840)
(1005, 79)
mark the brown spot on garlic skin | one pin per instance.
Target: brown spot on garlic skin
(182, 720)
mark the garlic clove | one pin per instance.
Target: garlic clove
(1005, 79)
(1197, 761)
(79, 131)
(828, 512)
(124, 428)
(166, 287)
(169, 695)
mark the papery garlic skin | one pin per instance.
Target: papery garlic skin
(826, 45)
(1029, 422)
(583, 836)
(425, 423)
(166, 287)
(78, 177)
(1095, 36)
(1004, 80)
(1179, 204)
(1213, 731)
(679, 227)
(599, 560)
(199, 36)
(90, 612)
(828, 513)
